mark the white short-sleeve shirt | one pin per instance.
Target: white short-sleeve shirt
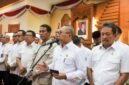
(5, 49)
(27, 54)
(107, 64)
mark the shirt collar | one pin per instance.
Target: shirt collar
(113, 46)
(23, 42)
(31, 45)
(68, 45)
(49, 40)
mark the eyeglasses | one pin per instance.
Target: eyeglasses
(41, 30)
(28, 35)
(14, 35)
(64, 32)
(19, 35)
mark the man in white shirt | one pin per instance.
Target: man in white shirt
(109, 63)
(66, 60)
(4, 52)
(85, 54)
(11, 63)
(26, 56)
(14, 75)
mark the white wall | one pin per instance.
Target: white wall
(27, 21)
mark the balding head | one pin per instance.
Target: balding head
(69, 28)
(66, 33)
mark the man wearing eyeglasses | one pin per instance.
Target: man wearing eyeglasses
(16, 49)
(67, 67)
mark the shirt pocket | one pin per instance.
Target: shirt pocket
(113, 62)
(47, 58)
(95, 60)
(114, 59)
(68, 63)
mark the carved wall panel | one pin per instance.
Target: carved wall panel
(83, 12)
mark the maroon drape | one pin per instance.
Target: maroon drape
(34, 9)
(38, 11)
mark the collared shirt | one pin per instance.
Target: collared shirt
(68, 60)
(86, 53)
(27, 54)
(47, 58)
(107, 64)
(4, 50)
(12, 56)
(15, 53)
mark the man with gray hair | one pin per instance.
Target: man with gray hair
(67, 67)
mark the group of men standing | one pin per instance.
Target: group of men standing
(66, 62)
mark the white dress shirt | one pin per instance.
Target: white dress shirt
(68, 60)
(85, 54)
(27, 54)
(4, 50)
(12, 56)
(107, 64)
(15, 53)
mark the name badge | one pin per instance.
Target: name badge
(1, 55)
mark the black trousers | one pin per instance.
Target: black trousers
(4, 78)
(13, 79)
(86, 84)
(23, 81)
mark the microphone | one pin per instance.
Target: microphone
(51, 42)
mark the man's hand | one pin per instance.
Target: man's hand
(59, 76)
(40, 68)
(22, 70)
(12, 68)
(7, 65)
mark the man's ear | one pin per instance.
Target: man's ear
(115, 35)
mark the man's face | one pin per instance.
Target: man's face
(37, 40)
(64, 35)
(44, 34)
(5, 39)
(57, 34)
(29, 37)
(15, 38)
(107, 36)
(83, 26)
(20, 36)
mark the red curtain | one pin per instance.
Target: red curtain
(13, 13)
(34, 9)
(38, 11)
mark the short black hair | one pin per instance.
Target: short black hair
(23, 32)
(33, 33)
(96, 34)
(112, 26)
(119, 31)
(76, 40)
(47, 27)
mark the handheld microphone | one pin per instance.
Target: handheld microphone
(51, 42)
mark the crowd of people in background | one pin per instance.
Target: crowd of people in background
(63, 59)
